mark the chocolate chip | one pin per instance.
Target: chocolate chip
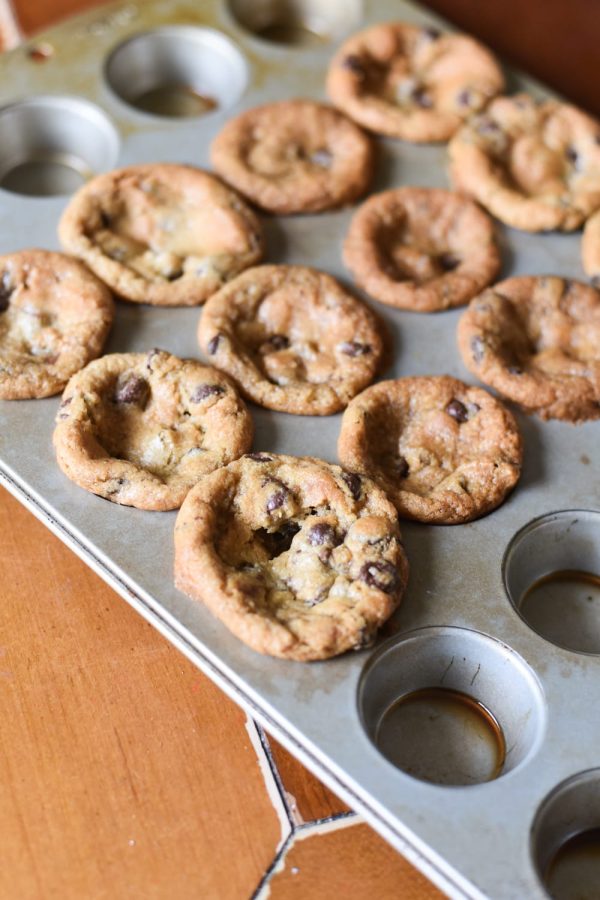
(464, 98)
(66, 402)
(572, 156)
(105, 219)
(355, 348)
(457, 410)
(448, 261)
(259, 457)
(354, 65)
(353, 482)
(365, 639)
(314, 601)
(132, 389)
(321, 158)
(276, 500)
(174, 275)
(487, 126)
(477, 349)
(514, 370)
(402, 468)
(213, 344)
(421, 98)
(381, 575)
(279, 342)
(6, 290)
(432, 33)
(321, 534)
(206, 390)
(278, 542)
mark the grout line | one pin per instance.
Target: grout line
(261, 892)
(272, 784)
(12, 34)
(264, 740)
(328, 820)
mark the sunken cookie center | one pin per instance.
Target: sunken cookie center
(409, 253)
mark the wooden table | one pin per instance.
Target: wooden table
(125, 772)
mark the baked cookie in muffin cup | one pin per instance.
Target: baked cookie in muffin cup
(54, 318)
(163, 234)
(295, 156)
(590, 249)
(292, 338)
(533, 164)
(443, 451)
(421, 249)
(141, 429)
(417, 84)
(536, 340)
(298, 558)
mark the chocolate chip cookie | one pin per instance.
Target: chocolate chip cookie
(534, 164)
(421, 249)
(537, 342)
(412, 83)
(54, 317)
(298, 558)
(294, 156)
(141, 429)
(292, 339)
(590, 249)
(164, 234)
(443, 451)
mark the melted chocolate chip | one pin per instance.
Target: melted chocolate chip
(457, 410)
(105, 219)
(380, 575)
(279, 342)
(572, 156)
(321, 534)
(278, 542)
(432, 33)
(353, 482)
(277, 499)
(514, 370)
(488, 126)
(6, 291)
(322, 158)
(402, 468)
(206, 390)
(259, 457)
(355, 348)
(464, 98)
(365, 639)
(354, 65)
(421, 98)
(314, 601)
(213, 344)
(173, 276)
(448, 261)
(477, 349)
(66, 402)
(132, 389)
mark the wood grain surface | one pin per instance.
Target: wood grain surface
(125, 772)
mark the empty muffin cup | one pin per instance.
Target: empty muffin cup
(565, 838)
(451, 706)
(551, 572)
(179, 71)
(301, 23)
(52, 145)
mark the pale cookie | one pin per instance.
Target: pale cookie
(141, 429)
(534, 165)
(292, 339)
(298, 558)
(590, 249)
(163, 234)
(444, 452)
(421, 249)
(294, 156)
(54, 317)
(537, 342)
(412, 83)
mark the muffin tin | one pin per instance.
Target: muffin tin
(81, 106)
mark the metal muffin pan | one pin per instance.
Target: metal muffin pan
(72, 110)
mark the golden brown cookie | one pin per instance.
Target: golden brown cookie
(534, 164)
(412, 83)
(294, 156)
(298, 558)
(163, 234)
(537, 342)
(443, 451)
(54, 317)
(141, 429)
(421, 249)
(590, 249)
(292, 339)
